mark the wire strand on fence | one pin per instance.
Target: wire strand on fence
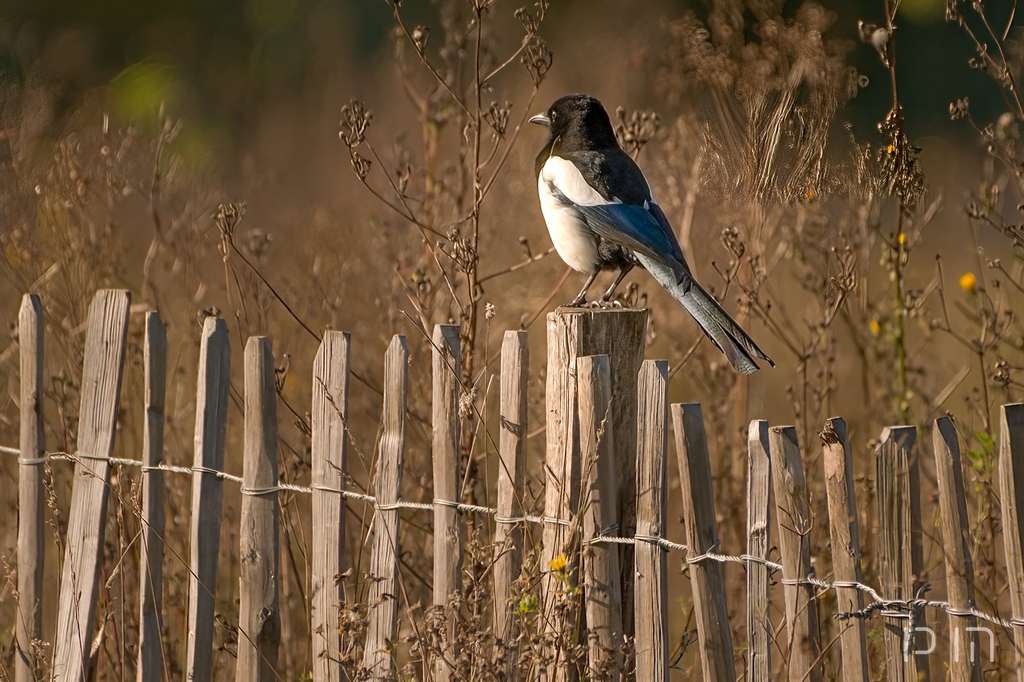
(888, 608)
(21, 460)
(291, 487)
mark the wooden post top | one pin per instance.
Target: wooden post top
(566, 310)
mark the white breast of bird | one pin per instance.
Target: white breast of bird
(573, 239)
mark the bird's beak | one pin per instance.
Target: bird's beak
(541, 120)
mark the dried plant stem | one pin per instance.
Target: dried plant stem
(899, 337)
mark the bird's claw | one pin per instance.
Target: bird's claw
(602, 305)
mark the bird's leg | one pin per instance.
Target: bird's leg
(582, 296)
(623, 271)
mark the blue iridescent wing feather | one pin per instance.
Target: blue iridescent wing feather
(643, 229)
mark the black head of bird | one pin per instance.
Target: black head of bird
(578, 122)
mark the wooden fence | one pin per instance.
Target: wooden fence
(608, 425)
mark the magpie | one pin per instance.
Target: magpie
(601, 216)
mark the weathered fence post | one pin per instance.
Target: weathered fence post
(651, 604)
(151, 563)
(446, 457)
(329, 456)
(759, 480)
(899, 548)
(509, 522)
(844, 533)
(105, 345)
(259, 610)
(707, 585)
(1011, 493)
(573, 332)
(794, 518)
(31, 551)
(599, 508)
(382, 595)
(956, 545)
(207, 495)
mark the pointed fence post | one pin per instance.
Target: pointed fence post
(31, 550)
(1011, 494)
(151, 564)
(794, 518)
(759, 480)
(599, 509)
(965, 653)
(330, 467)
(899, 549)
(509, 522)
(259, 609)
(105, 344)
(382, 595)
(845, 536)
(446, 457)
(706, 581)
(651, 606)
(207, 495)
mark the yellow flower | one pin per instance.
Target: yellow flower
(558, 563)
(891, 149)
(811, 195)
(875, 327)
(969, 282)
(902, 238)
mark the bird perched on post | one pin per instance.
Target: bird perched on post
(601, 216)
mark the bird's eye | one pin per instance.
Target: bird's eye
(551, 117)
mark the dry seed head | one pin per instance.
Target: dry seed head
(355, 120)
(420, 36)
(537, 60)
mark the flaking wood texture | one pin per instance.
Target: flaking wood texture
(31, 550)
(600, 493)
(709, 607)
(571, 333)
(907, 436)
(844, 533)
(956, 549)
(445, 455)
(151, 563)
(1011, 493)
(508, 534)
(651, 600)
(802, 641)
(382, 595)
(897, 573)
(259, 610)
(105, 343)
(330, 463)
(207, 495)
(759, 480)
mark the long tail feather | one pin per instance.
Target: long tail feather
(730, 338)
